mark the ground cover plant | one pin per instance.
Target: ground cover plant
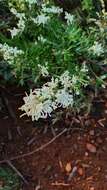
(49, 49)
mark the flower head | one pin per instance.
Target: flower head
(43, 70)
(20, 25)
(10, 53)
(41, 19)
(63, 98)
(52, 9)
(31, 1)
(35, 106)
(69, 18)
(97, 49)
(65, 79)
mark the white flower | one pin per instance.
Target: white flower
(14, 32)
(31, 1)
(35, 107)
(47, 108)
(65, 79)
(42, 39)
(63, 98)
(53, 84)
(20, 25)
(49, 89)
(41, 19)
(77, 92)
(41, 103)
(96, 49)
(46, 92)
(10, 53)
(84, 68)
(18, 15)
(13, 10)
(74, 79)
(53, 9)
(43, 70)
(69, 18)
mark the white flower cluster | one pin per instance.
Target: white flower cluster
(36, 107)
(63, 98)
(41, 39)
(41, 102)
(43, 70)
(44, 16)
(65, 79)
(52, 9)
(20, 25)
(9, 53)
(31, 1)
(69, 18)
(97, 49)
(41, 19)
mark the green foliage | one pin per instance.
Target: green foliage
(87, 5)
(63, 47)
(5, 71)
(8, 179)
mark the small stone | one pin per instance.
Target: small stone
(104, 148)
(80, 171)
(68, 167)
(92, 188)
(87, 123)
(79, 138)
(56, 175)
(99, 140)
(78, 179)
(92, 141)
(75, 146)
(85, 135)
(85, 165)
(99, 168)
(91, 148)
(86, 153)
(90, 162)
(92, 132)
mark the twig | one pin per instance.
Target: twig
(38, 187)
(53, 131)
(18, 173)
(71, 175)
(45, 129)
(31, 141)
(9, 134)
(60, 184)
(100, 122)
(35, 150)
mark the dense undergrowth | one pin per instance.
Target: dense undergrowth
(58, 53)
